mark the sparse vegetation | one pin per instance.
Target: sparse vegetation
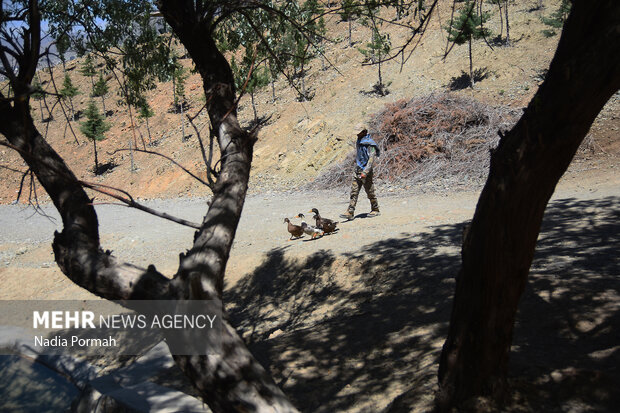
(94, 128)
(467, 27)
(437, 137)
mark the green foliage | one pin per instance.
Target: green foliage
(378, 48)
(350, 10)
(121, 33)
(146, 112)
(68, 90)
(38, 93)
(468, 25)
(94, 127)
(258, 78)
(100, 87)
(557, 18)
(62, 46)
(277, 38)
(180, 76)
(88, 68)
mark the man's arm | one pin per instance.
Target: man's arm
(372, 155)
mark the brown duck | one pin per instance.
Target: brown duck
(309, 229)
(295, 230)
(327, 225)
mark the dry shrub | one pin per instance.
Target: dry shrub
(438, 137)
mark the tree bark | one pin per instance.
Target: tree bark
(499, 244)
(507, 24)
(96, 157)
(472, 81)
(232, 380)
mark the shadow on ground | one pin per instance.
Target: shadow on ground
(358, 332)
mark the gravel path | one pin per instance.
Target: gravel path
(355, 320)
(142, 239)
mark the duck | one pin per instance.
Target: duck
(309, 229)
(327, 225)
(295, 230)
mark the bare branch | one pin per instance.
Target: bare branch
(49, 66)
(206, 161)
(130, 202)
(165, 157)
(108, 190)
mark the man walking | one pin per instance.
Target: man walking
(366, 153)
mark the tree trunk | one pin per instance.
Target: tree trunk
(49, 112)
(72, 109)
(350, 38)
(234, 380)
(254, 107)
(501, 19)
(41, 109)
(182, 120)
(499, 244)
(507, 24)
(148, 130)
(471, 66)
(105, 113)
(96, 157)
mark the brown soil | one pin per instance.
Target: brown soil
(302, 139)
(355, 321)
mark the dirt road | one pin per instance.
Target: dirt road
(354, 321)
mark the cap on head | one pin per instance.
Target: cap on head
(361, 130)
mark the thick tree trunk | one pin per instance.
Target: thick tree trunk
(499, 245)
(233, 380)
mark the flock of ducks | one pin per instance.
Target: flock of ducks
(323, 226)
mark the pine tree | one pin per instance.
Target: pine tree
(466, 27)
(145, 113)
(556, 19)
(94, 128)
(100, 89)
(178, 84)
(38, 95)
(88, 69)
(258, 79)
(375, 52)
(62, 47)
(69, 91)
(349, 12)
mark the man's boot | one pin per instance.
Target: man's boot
(350, 214)
(374, 206)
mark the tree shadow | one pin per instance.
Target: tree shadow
(339, 330)
(464, 80)
(104, 168)
(567, 338)
(355, 332)
(378, 89)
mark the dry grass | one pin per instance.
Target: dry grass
(438, 137)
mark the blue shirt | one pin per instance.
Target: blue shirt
(362, 147)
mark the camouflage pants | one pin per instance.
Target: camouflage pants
(369, 187)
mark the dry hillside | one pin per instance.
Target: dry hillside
(302, 139)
